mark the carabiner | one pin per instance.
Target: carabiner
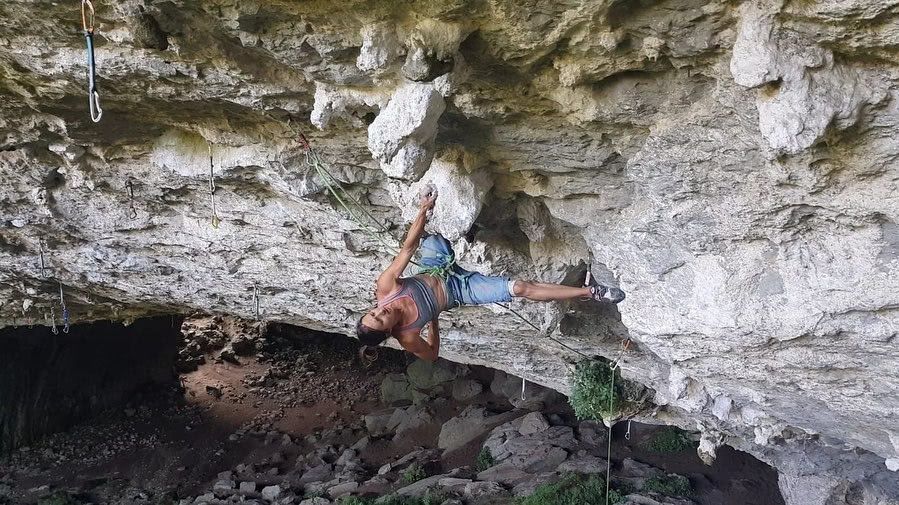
(53, 320)
(93, 96)
(132, 212)
(87, 27)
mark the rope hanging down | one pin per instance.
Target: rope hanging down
(93, 96)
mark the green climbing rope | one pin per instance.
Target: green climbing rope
(609, 450)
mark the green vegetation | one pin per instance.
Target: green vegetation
(413, 474)
(671, 485)
(572, 490)
(592, 391)
(430, 499)
(485, 459)
(669, 440)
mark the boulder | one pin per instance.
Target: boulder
(318, 500)
(466, 389)
(533, 423)
(475, 490)
(343, 489)
(468, 426)
(376, 423)
(223, 485)
(271, 493)
(592, 433)
(422, 487)
(582, 463)
(395, 389)
(506, 474)
(318, 473)
(536, 452)
(409, 418)
(426, 375)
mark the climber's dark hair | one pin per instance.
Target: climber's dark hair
(370, 337)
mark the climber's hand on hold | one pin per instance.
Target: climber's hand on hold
(427, 196)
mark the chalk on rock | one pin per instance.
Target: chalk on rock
(462, 185)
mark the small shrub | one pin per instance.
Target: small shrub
(355, 500)
(670, 485)
(413, 474)
(669, 440)
(485, 459)
(592, 394)
(572, 490)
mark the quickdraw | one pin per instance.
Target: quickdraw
(132, 212)
(93, 96)
(215, 218)
(53, 321)
(40, 248)
(256, 299)
(65, 311)
(624, 347)
(524, 383)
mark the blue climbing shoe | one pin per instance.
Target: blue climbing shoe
(601, 293)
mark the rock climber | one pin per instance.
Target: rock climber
(407, 304)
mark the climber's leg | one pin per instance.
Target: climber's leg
(542, 292)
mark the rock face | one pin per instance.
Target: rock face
(732, 166)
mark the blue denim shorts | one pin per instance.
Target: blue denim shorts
(462, 287)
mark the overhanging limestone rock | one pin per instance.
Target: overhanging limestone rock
(752, 223)
(402, 137)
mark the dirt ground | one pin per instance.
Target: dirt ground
(298, 388)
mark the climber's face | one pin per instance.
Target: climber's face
(382, 318)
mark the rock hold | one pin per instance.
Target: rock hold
(401, 138)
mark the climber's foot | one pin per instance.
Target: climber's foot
(601, 293)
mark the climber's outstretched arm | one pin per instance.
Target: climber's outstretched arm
(387, 280)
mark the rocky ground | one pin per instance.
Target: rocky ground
(280, 415)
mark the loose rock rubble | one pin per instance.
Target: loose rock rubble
(410, 430)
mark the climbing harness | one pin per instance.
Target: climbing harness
(256, 298)
(132, 212)
(215, 218)
(93, 96)
(65, 311)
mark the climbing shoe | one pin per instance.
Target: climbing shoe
(602, 293)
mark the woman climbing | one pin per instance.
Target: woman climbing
(407, 304)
